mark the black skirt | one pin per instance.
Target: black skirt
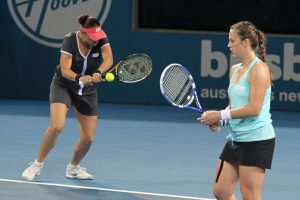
(257, 153)
(86, 104)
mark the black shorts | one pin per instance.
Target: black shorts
(257, 153)
(86, 104)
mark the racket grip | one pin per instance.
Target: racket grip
(99, 72)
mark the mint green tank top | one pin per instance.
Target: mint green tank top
(249, 128)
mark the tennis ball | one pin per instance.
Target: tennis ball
(109, 77)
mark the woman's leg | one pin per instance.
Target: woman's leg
(251, 182)
(226, 179)
(58, 112)
(87, 129)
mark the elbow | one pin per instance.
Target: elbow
(255, 114)
(63, 72)
(255, 111)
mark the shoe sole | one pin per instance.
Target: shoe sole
(74, 177)
(26, 179)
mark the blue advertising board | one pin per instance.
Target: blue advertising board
(32, 33)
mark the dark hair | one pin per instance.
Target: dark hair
(247, 30)
(87, 21)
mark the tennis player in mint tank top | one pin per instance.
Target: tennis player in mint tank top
(251, 141)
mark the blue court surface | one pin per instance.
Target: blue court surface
(140, 152)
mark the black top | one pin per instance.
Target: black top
(85, 65)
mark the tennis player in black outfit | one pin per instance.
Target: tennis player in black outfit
(85, 54)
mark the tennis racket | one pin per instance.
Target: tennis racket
(178, 87)
(133, 68)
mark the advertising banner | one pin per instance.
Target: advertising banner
(32, 33)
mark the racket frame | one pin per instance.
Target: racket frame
(116, 71)
(193, 95)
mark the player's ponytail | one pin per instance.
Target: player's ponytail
(87, 21)
(82, 19)
(261, 44)
(262, 48)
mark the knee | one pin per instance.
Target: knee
(88, 139)
(246, 196)
(217, 193)
(56, 128)
(250, 194)
(222, 193)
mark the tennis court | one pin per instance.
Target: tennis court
(140, 152)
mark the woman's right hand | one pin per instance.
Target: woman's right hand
(97, 78)
(215, 127)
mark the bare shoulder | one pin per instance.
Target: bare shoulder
(232, 69)
(260, 73)
(261, 68)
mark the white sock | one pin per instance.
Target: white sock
(38, 163)
(73, 165)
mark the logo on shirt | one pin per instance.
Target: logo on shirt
(95, 55)
(48, 21)
(240, 88)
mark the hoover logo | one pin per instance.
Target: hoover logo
(48, 21)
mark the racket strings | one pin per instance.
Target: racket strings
(135, 68)
(177, 86)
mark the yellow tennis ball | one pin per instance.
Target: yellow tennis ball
(109, 77)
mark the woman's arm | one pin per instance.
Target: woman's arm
(65, 66)
(106, 64)
(107, 58)
(259, 80)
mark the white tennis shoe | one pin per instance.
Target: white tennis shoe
(78, 172)
(32, 171)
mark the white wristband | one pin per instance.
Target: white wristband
(225, 115)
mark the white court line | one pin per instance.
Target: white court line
(103, 189)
